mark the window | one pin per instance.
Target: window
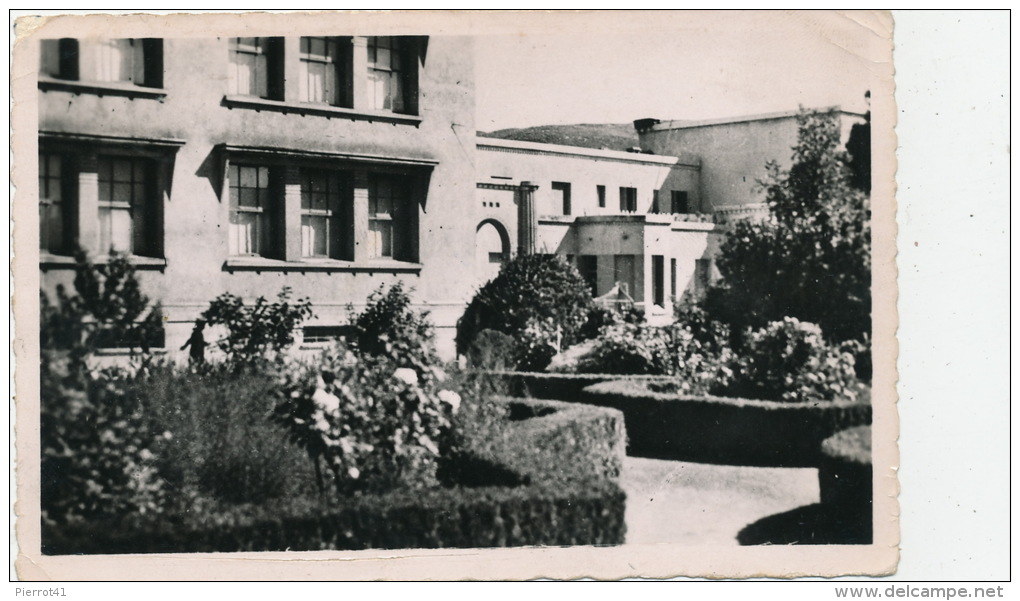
(60, 58)
(320, 212)
(317, 212)
(561, 192)
(325, 334)
(386, 74)
(319, 75)
(601, 191)
(628, 199)
(655, 202)
(125, 185)
(658, 280)
(672, 278)
(588, 266)
(251, 219)
(120, 60)
(137, 61)
(53, 210)
(388, 207)
(256, 67)
(679, 202)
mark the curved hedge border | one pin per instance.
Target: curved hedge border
(845, 475)
(725, 430)
(566, 462)
(556, 386)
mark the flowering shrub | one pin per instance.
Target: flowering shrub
(789, 360)
(374, 424)
(700, 368)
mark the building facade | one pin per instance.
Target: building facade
(733, 153)
(327, 164)
(628, 221)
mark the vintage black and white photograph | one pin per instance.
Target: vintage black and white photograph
(615, 286)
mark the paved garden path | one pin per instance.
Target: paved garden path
(703, 504)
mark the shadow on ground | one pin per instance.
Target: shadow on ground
(815, 524)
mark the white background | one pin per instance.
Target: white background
(953, 90)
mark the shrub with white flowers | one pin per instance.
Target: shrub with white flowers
(790, 360)
(375, 426)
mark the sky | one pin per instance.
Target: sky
(674, 66)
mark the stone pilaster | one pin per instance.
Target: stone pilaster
(527, 220)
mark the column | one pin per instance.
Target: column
(359, 73)
(359, 219)
(527, 221)
(291, 214)
(291, 69)
(87, 167)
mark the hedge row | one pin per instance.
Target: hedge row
(558, 473)
(844, 517)
(845, 477)
(556, 386)
(725, 430)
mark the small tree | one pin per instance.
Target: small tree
(811, 258)
(389, 327)
(254, 331)
(535, 299)
(106, 309)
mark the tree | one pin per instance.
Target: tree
(811, 257)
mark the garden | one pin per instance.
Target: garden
(376, 443)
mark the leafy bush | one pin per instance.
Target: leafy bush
(541, 301)
(97, 457)
(699, 368)
(600, 317)
(789, 360)
(388, 327)
(223, 447)
(256, 331)
(491, 350)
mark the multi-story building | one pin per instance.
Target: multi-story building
(328, 164)
(334, 165)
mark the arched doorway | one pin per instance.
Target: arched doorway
(492, 248)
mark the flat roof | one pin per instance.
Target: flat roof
(686, 123)
(581, 152)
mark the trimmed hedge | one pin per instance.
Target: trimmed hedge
(845, 476)
(725, 430)
(557, 386)
(559, 469)
(844, 517)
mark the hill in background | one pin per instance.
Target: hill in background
(610, 136)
